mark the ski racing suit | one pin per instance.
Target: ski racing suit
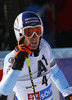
(43, 69)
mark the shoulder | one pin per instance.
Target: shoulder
(44, 44)
(9, 55)
(9, 58)
(8, 61)
(46, 48)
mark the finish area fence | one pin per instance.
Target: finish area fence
(63, 57)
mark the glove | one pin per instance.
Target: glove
(21, 51)
(69, 97)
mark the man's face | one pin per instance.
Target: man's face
(32, 42)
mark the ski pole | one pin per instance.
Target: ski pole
(27, 60)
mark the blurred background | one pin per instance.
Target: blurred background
(56, 16)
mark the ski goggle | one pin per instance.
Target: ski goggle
(30, 31)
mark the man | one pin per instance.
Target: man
(29, 68)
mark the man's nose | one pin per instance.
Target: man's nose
(34, 36)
